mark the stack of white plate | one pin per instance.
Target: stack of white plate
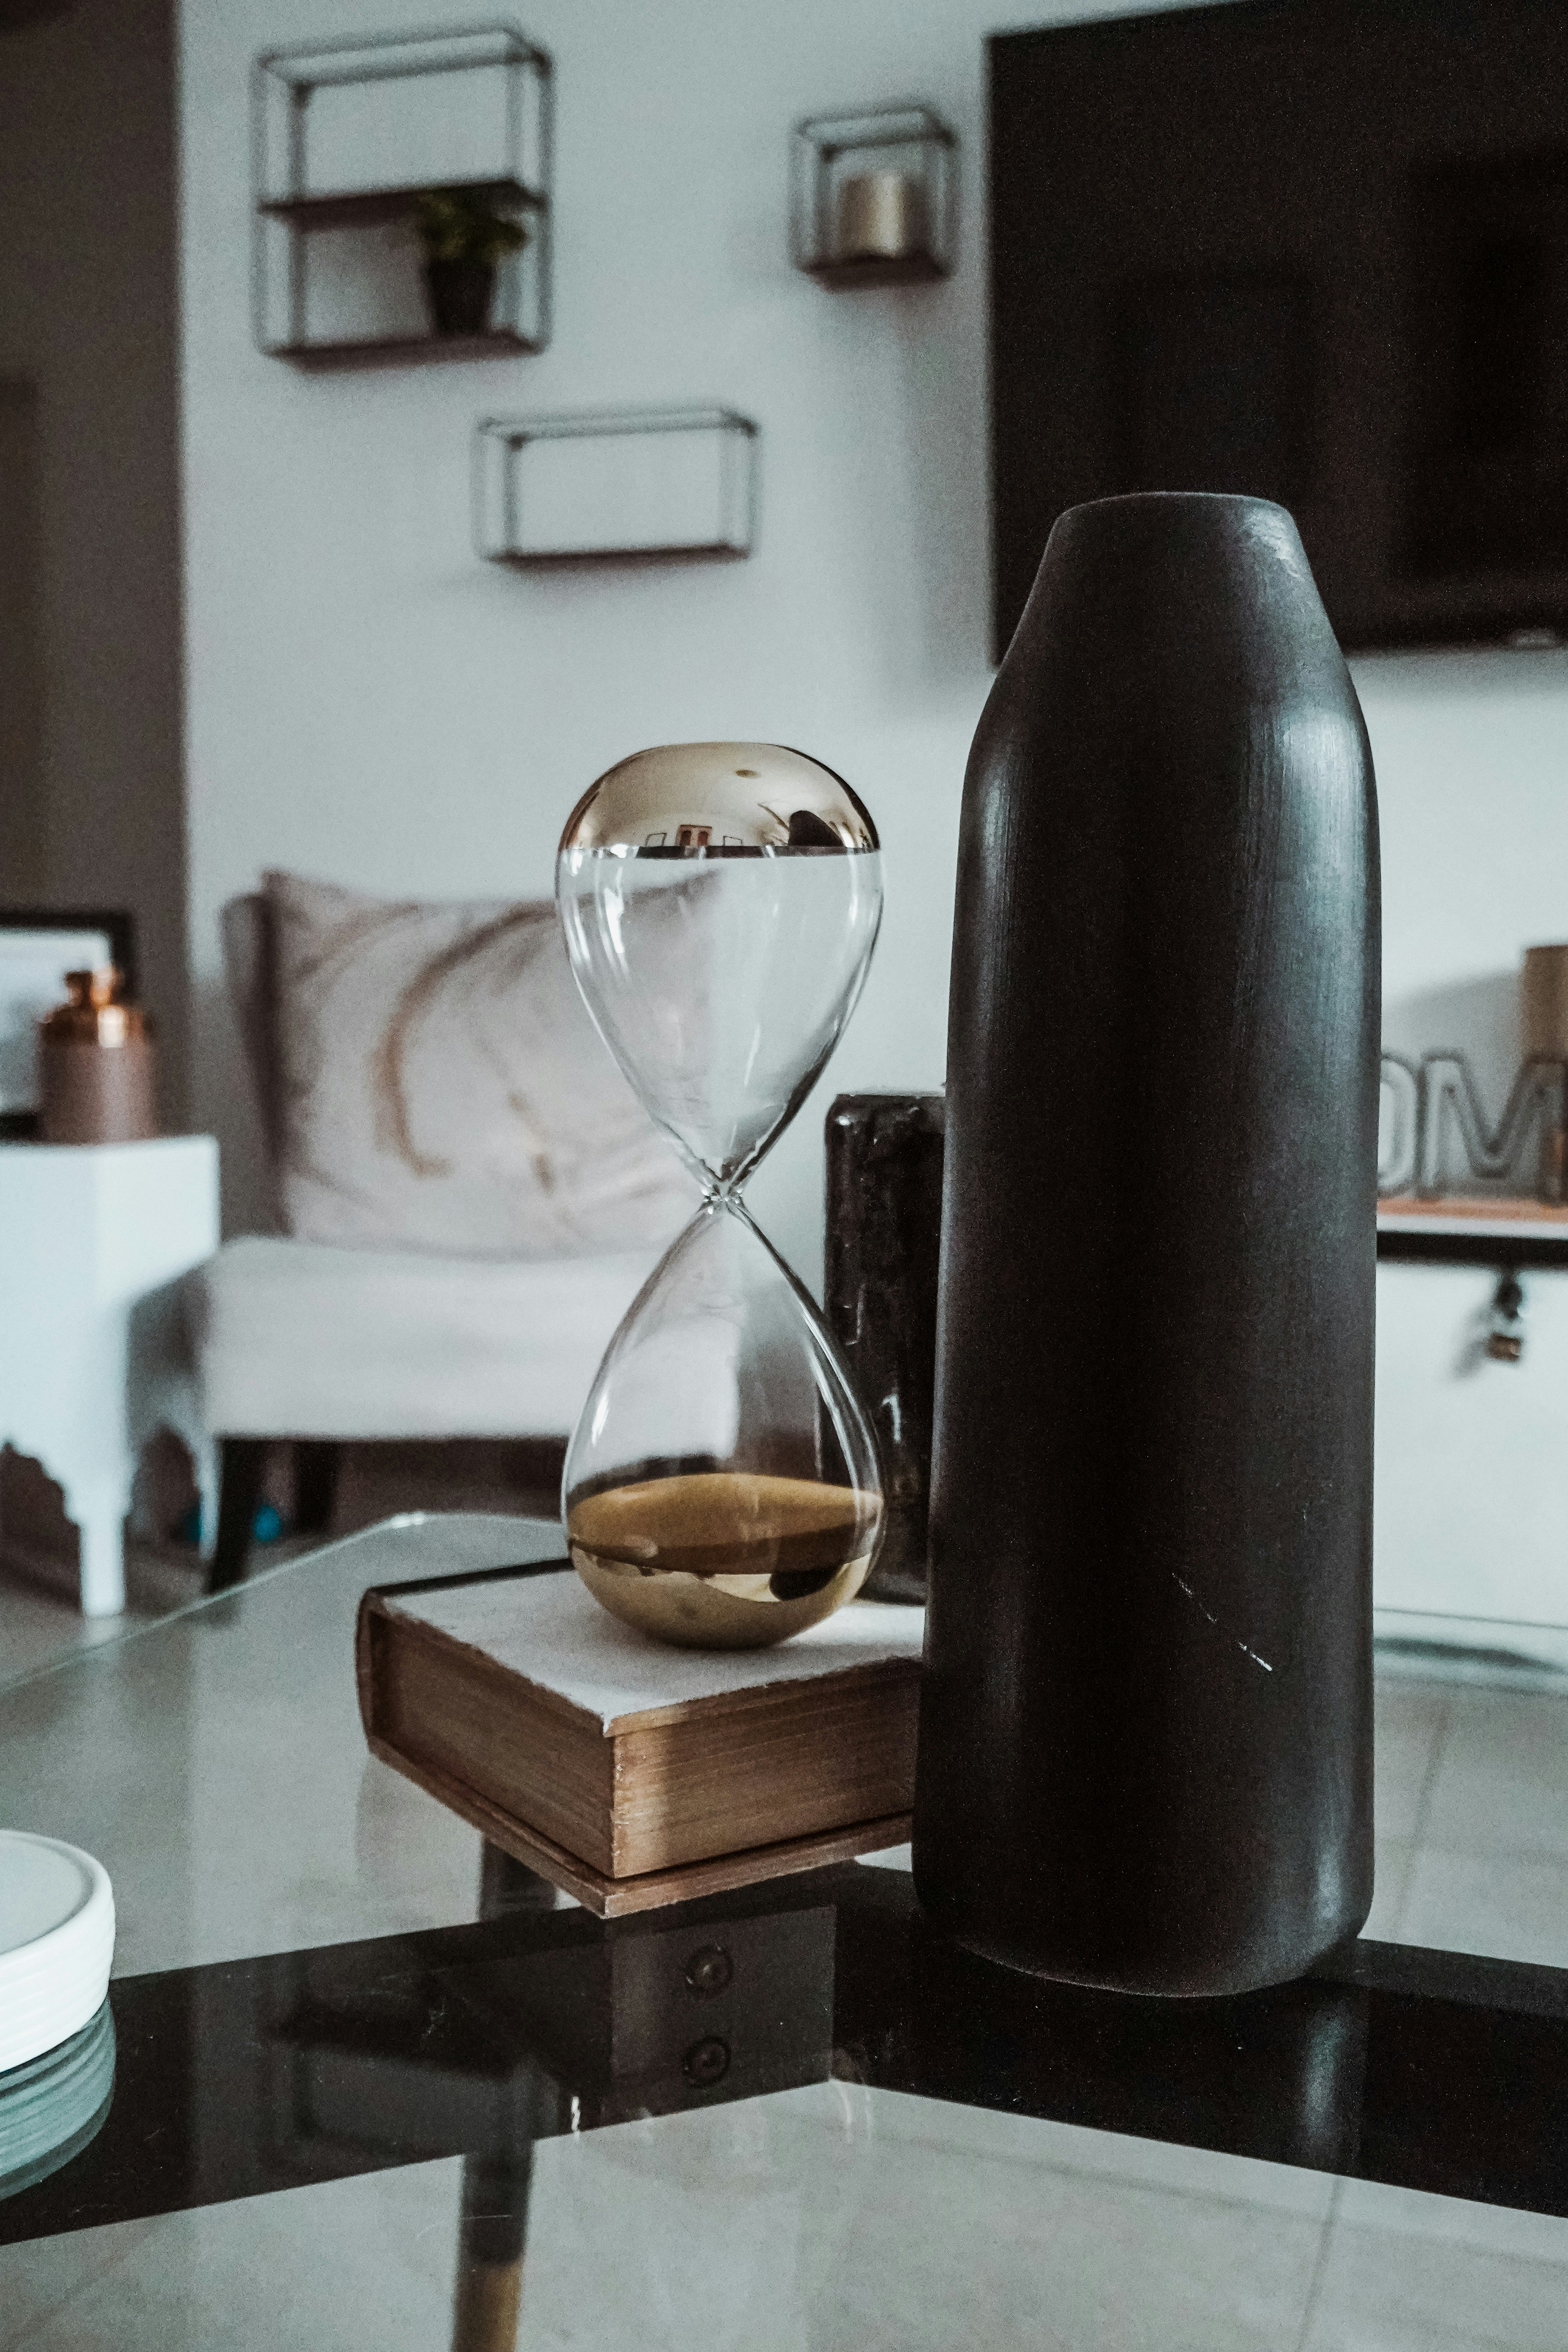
(51, 2108)
(56, 1940)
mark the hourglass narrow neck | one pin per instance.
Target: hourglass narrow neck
(729, 1184)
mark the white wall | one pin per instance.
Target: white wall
(368, 702)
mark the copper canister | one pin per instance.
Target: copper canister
(95, 1064)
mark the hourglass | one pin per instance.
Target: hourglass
(721, 903)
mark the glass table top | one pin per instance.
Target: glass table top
(370, 2087)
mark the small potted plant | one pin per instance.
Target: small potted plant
(464, 238)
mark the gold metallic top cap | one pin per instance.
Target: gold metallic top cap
(719, 800)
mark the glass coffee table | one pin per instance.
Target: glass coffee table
(373, 2086)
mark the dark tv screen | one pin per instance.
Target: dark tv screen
(1312, 250)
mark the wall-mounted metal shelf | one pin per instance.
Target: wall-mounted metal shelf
(874, 197)
(406, 350)
(628, 485)
(337, 265)
(1485, 1230)
(374, 208)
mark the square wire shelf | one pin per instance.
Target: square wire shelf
(874, 197)
(627, 485)
(346, 139)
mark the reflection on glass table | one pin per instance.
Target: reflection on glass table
(348, 2111)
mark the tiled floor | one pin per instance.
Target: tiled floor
(833, 2218)
(38, 1620)
(1405, 2272)
(1472, 1814)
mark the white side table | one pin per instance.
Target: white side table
(94, 1240)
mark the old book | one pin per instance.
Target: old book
(631, 1774)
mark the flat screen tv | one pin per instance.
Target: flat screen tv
(1315, 250)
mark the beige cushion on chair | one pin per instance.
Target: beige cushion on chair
(294, 1340)
(442, 1089)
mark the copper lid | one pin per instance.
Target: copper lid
(94, 1013)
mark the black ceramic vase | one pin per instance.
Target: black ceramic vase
(1146, 1748)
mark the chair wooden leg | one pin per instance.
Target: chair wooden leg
(316, 1463)
(242, 1461)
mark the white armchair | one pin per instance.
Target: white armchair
(303, 1340)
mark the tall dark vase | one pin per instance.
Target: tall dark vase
(1145, 1750)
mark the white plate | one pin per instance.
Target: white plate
(57, 1941)
(51, 2108)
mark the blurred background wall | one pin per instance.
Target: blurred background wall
(91, 802)
(369, 702)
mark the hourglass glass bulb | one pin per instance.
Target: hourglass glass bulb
(721, 903)
(722, 1487)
